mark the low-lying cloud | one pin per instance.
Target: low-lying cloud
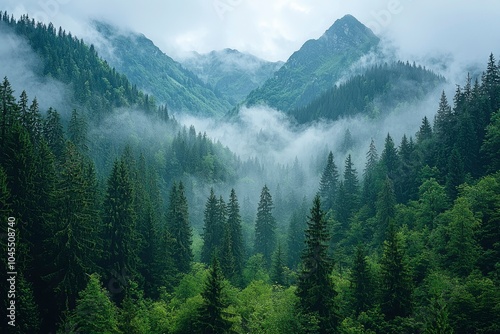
(23, 69)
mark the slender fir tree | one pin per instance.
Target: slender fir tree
(265, 227)
(315, 288)
(211, 316)
(329, 183)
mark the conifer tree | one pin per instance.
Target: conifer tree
(329, 183)
(369, 195)
(491, 144)
(396, 285)
(213, 230)
(265, 227)
(315, 289)
(227, 262)
(234, 224)
(53, 133)
(386, 208)
(455, 175)
(94, 312)
(390, 159)
(362, 282)
(211, 316)
(348, 194)
(77, 131)
(9, 110)
(278, 267)
(121, 251)
(295, 239)
(75, 243)
(180, 229)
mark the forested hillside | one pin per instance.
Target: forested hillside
(153, 71)
(316, 67)
(379, 89)
(122, 221)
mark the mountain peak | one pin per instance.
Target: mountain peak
(348, 29)
(316, 65)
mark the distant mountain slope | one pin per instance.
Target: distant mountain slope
(156, 73)
(95, 86)
(379, 89)
(316, 66)
(233, 73)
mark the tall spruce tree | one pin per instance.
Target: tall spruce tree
(121, 251)
(396, 285)
(329, 183)
(211, 315)
(315, 288)
(361, 282)
(180, 229)
(75, 243)
(295, 238)
(348, 195)
(213, 230)
(278, 267)
(265, 227)
(369, 192)
(234, 228)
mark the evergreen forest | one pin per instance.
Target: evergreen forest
(162, 229)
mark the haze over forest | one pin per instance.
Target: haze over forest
(251, 168)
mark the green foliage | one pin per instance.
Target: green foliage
(179, 229)
(396, 284)
(314, 287)
(311, 70)
(211, 318)
(265, 227)
(358, 93)
(94, 312)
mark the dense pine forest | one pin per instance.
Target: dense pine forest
(163, 230)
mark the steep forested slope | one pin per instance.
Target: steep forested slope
(153, 71)
(378, 90)
(316, 67)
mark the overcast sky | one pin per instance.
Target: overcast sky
(274, 29)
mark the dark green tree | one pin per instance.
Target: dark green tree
(362, 284)
(180, 229)
(329, 183)
(53, 133)
(390, 159)
(491, 144)
(348, 194)
(396, 286)
(211, 318)
(213, 230)
(386, 209)
(455, 175)
(265, 227)
(314, 287)
(75, 244)
(295, 238)
(234, 227)
(121, 249)
(78, 131)
(369, 191)
(278, 267)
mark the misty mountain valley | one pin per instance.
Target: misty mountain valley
(345, 190)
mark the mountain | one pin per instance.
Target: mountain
(153, 71)
(316, 67)
(233, 73)
(378, 90)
